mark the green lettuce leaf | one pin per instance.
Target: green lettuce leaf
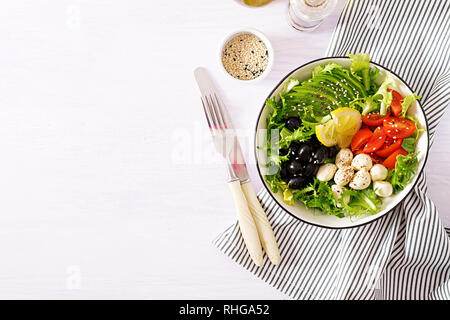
(288, 197)
(303, 133)
(366, 105)
(275, 183)
(319, 195)
(419, 130)
(277, 114)
(403, 172)
(360, 64)
(373, 74)
(275, 123)
(326, 68)
(409, 144)
(383, 94)
(359, 61)
(407, 101)
(383, 109)
(275, 158)
(288, 85)
(272, 181)
(361, 202)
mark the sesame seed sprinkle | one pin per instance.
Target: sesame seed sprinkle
(245, 57)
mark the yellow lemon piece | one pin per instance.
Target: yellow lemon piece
(343, 141)
(348, 121)
(327, 133)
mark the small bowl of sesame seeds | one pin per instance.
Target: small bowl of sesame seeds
(246, 55)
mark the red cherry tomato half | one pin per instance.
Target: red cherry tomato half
(360, 138)
(398, 128)
(374, 119)
(390, 147)
(376, 158)
(396, 103)
(392, 159)
(376, 141)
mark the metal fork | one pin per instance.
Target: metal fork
(224, 140)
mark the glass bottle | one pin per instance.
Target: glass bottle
(256, 3)
(306, 15)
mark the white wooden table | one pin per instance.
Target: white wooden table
(109, 187)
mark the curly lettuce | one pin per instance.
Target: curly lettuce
(407, 101)
(318, 194)
(403, 172)
(329, 67)
(383, 95)
(361, 202)
(303, 133)
(274, 181)
(288, 85)
(365, 105)
(360, 64)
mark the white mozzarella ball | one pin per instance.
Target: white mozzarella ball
(343, 176)
(344, 158)
(382, 188)
(362, 161)
(326, 172)
(361, 180)
(378, 172)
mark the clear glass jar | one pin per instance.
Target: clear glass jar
(306, 15)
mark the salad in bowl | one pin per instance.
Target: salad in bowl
(345, 139)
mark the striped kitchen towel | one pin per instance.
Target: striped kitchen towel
(406, 254)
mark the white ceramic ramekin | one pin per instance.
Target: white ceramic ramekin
(258, 34)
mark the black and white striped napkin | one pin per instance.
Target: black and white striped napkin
(406, 254)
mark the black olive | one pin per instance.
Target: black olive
(333, 151)
(294, 167)
(284, 174)
(316, 169)
(297, 182)
(293, 123)
(308, 180)
(283, 152)
(310, 170)
(293, 149)
(313, 141)
(304, 153)
(320, 155)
